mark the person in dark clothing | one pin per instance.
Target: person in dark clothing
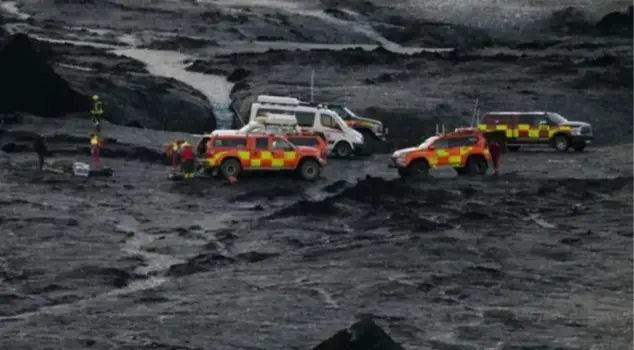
(495, 149)
(39, 146)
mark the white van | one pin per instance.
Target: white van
(342, 140)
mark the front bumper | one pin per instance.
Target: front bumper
(581, 139)
(392, 164)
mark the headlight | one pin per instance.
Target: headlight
(400, 159)
(575, 131)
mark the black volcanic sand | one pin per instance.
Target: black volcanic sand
(540, 258)
(134, 262)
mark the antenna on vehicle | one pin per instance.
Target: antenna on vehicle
(312, 85)
(475, 116)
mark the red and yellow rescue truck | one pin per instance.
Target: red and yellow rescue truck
(465, 150)
(516, 129)
(234, 151)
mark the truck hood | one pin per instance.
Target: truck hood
(403, 151)
(368, 120)
(575, 124)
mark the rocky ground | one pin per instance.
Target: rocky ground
(540, 258)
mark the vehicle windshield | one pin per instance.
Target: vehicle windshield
(556, 118)
(339, 111)
(341, 124)
(351, 113)
(428, 142)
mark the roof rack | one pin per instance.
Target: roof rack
(273, 123)
(466, 130)
(278, 100)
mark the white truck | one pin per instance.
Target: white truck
(342, 140)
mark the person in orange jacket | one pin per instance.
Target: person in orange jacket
(188, 160)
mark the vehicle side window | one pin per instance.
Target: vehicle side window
(262, 143)
(231, 142)
(281, 144)
(305, 119)
(497, 119)
(526, 119)
(462, 141)
(304, 141)
(441, 144)
(542, 119)
(329, 122)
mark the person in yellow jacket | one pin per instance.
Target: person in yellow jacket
(95, 145)
(96, 112)
(188, 160)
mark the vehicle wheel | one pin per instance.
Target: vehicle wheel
(418, 169)
(230, 167)
(309, 170)
(561, 143)
(343, 150)
(476, 166)
(513, 148)
(579, 148)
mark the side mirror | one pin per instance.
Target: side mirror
(431, 148)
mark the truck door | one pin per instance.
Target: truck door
(543, 125)
(527, 128)
(331, 129)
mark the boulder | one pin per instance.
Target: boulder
(617, 23)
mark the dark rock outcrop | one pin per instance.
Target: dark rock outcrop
(569, 20)
(32, 81)
(238, 74)
(617, 23)
(29, 84)
(138, 99)
(363, 335)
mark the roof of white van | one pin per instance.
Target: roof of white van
(516, 113)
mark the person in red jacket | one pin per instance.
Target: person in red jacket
(495, 149)
(96, 143)
(188, 160)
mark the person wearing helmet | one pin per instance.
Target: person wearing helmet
(96, 112)
(188, 160)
